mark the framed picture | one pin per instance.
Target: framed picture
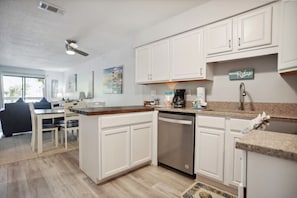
(113, 80)
(71, 84)
(54, 88)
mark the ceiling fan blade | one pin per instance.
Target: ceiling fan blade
(80, 52)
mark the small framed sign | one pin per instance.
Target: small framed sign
(242, 74)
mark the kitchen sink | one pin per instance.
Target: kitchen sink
(282, 125)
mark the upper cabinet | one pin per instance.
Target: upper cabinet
(177, 58)
(188, 62)
(287, 57)
(254, 28)
(270, 29)
(219, 37)
(153, 63)
(143, 64)
(246, 35)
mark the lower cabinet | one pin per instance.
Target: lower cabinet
(210, 146)
(216, 155)
(113, 144)
(233, 156)
(141, 142)
(125, 147)
(115, 150)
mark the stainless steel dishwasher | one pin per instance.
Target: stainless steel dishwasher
(176, 141)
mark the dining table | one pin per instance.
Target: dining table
(42, 114)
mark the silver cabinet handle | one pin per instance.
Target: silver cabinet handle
(229, 43)
(186, 122)
(239, 41)
(201, 71)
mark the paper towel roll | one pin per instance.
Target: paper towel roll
(201, 94)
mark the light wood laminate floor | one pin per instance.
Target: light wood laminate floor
(59, 176)
(17, 148)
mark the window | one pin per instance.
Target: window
(31, 89)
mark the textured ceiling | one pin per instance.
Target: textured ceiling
(33, 38)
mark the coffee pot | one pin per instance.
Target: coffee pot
(179, 98)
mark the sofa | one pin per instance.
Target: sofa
(16, 117)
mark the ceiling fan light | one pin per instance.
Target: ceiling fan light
(70, 52)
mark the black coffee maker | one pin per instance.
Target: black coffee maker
(179, 100)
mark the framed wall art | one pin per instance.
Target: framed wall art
(54, 88)
(113, 80)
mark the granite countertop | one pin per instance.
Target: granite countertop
(111, 110)
(281, 145)
(226, 113)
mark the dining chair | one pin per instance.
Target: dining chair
(45, 127)
(70, 122)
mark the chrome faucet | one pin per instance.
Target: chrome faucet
(242, 93)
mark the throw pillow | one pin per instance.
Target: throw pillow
(43, 100)
(20, 100)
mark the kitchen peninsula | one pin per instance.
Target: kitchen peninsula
(271, 163)
(115, 140)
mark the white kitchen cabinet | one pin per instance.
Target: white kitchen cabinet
(115, 150)
(113, 144)
(219, 37)
(216, 155)
(250, 34)
(188, 61)
(141, 142)
(160, 70)
(254, 28)
(153, 62)
(287, 57)
(233, 156)
(210, 146)
(143, 64)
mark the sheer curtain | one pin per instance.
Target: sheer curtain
(1, 91)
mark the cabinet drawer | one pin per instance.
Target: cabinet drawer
(238, 124)
(125, 119)
(212, 122)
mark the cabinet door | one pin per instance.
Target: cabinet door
(254, 28)
(160, 61)
(233, 156)
(210, 152)
(143, 64)
(219, 37)
(188, 61)
(287, 58)
(115, 151)
(141, 143)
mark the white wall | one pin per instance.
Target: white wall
(196, 17)
(267, 86)
(132, 93)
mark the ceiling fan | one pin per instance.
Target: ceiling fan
(71, 48)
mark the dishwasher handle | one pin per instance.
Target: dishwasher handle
(186, 122)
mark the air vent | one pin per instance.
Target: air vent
(50, 7)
